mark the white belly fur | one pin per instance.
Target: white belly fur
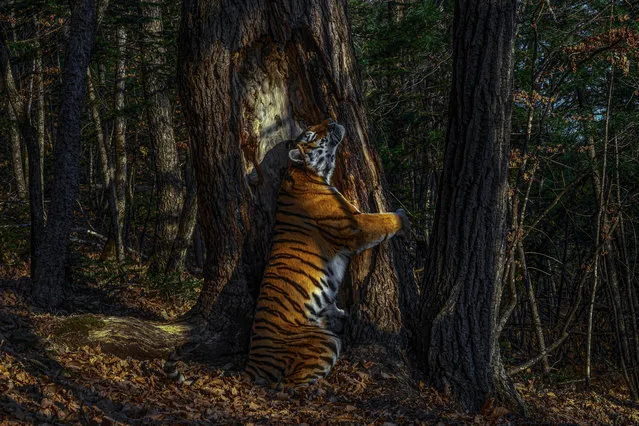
(336, 268)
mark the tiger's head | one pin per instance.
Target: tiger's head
(316, 148)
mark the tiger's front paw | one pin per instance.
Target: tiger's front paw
(405, 231)
(336, 324)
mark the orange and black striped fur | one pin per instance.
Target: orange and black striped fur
(294, 337)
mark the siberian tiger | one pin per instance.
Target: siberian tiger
(295, 330)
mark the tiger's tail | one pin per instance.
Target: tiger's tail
(171, 365)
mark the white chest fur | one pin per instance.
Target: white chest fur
(337, 269)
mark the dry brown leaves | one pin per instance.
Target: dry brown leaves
(44, 383)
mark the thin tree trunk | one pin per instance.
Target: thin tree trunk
(532, 300)
(170, 196)
(52, 258)
(632, 340)
(519, 216)
(113, 246)
(462, 285)
(595, 282)
(628, 365)
(601, 221)
(119, 136)
(187, 220)
(257, 73)
(16, 152)
(39, 115)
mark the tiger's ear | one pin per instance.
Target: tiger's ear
(296, 155)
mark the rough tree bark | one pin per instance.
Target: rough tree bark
(30, 138)
(170, 196)
(51, 258)
(462, 284)
(253, 74)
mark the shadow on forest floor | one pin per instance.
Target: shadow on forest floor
(42, 381)
(42, 384)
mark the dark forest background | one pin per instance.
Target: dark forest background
(107, 152)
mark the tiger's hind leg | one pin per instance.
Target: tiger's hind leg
(314, 358)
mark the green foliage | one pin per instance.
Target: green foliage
(173, 285)
(404, 54)
(108, 275)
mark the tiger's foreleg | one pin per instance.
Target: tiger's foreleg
(373, 228)
(334, 317)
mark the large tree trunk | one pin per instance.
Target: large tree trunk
(51, 259)
(169, 183)
(462, 285)
(254, 74)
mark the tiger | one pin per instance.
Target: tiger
(297, 325)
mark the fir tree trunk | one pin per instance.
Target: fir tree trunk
(254, 74)
(462, 285)
(52, 256)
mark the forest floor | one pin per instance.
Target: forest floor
(43, 381)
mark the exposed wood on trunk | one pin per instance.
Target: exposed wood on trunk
(254, 74)
(121, 336)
